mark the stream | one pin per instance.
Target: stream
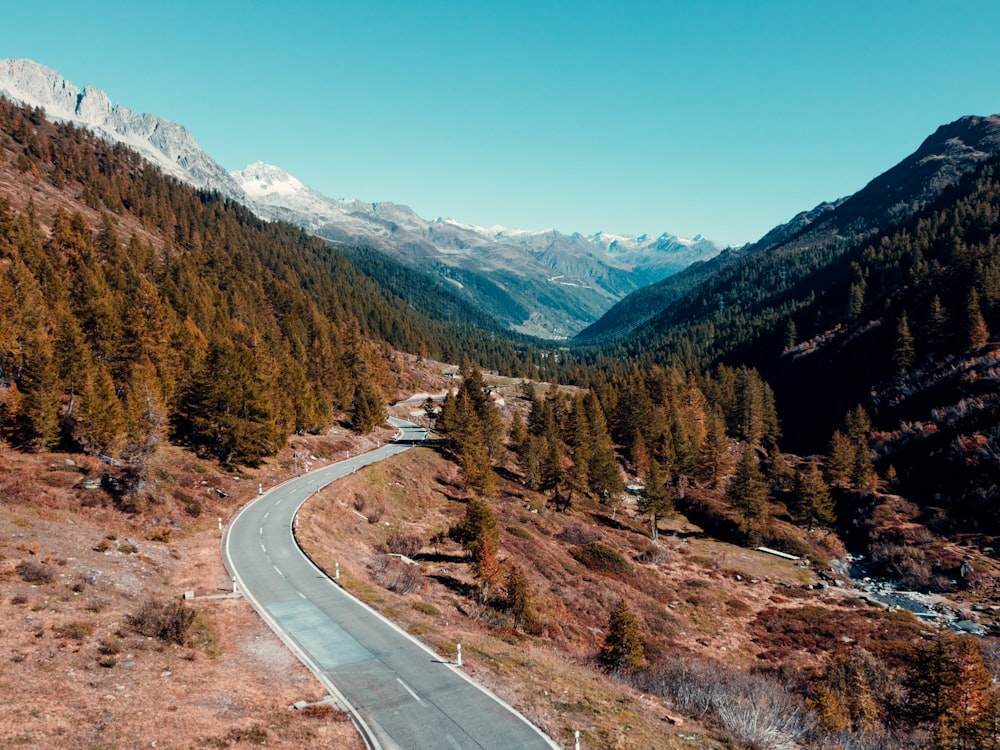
(929, 607)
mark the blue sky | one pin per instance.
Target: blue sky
(719, 118)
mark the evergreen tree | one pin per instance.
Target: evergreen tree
(976, 332)
(937, 324)
(517, 600)
(841, 458)
(517, 433)
(39, 387)
(903, 351)
(622, 650)
(369, 409)
(477, 533)
(811, 501)
(747, 492)
(656, 501)
(102, 422)
(604, 477)
(713, 459)
(529, 461)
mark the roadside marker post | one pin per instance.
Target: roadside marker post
(459, 662)
(336, 572)
(577, 735)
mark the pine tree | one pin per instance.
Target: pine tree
(655, 501)
(529, 461)
(976, 332)
(622, 650)
(477, 533)
(903, 351)
(102, 422)
(517, 433)
(517, 600)
(39, 386)
(369, 409)
(604, 477)
(747, 492)
(713, 459)
(936, 329)
(841, 457)
(811, 501)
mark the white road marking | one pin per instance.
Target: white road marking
(279, 571)
(409, 690)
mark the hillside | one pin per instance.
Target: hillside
(117, 279)
(950, 153)
(647, 542)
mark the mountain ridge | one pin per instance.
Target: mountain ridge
(952, 151)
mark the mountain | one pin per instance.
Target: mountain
(541, 283)
(952, 151)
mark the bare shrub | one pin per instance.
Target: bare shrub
(754, 710)
(908, 565)
(359, 503)
(404, 544)
(376, 513)
(77, 630)
(34, 572)
(395, 575)
(577, 534)
(170, 621)
(654, 554)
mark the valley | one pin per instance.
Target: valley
(593, 517)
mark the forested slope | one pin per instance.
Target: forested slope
(134, 308)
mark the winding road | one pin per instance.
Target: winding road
(401, 695)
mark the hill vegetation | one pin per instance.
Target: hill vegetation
(140, 318)
(136, 309)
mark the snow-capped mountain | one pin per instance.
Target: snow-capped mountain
(544, 283)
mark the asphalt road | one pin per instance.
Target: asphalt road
(401, 694)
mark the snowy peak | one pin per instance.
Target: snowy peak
(260, 180)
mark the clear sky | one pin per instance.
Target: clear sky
(717, 117)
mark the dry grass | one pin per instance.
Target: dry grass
(73, 571)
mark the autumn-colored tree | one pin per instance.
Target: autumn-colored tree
(656, 500)
(102, 421)
(477, 533)
(517, 598)
(811, 503)
(840, 458)
(976, 332)
(951, 690)
(369, 410)
(747, 492)
(854, 694)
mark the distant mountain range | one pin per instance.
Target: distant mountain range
(541, 283)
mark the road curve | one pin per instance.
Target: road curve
(402, 696)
